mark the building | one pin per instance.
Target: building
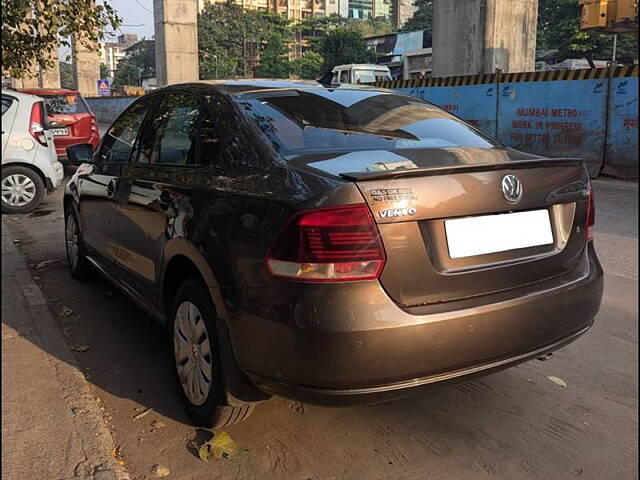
(112, 52)
(400, 10)
(291, 9)
(392, 48)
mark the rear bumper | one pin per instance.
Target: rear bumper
(345, 345)
(382, 393)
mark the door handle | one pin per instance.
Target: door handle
(110, 188)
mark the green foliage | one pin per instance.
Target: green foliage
(126, 74)
(140, 59)
(309, 66)
(559, 28)
(230, 38)
(422, 19)
(314, 29)
(273, 59)
(370, 27)
(66, 75)
(104, 71)
(344, 45)
(32, 30)
(142, 54)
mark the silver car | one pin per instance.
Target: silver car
(30, 166)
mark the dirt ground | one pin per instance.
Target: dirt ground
(516, 424)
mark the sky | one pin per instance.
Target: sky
(137, 17)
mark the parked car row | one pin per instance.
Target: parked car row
(37, 127)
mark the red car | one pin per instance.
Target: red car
(70, 118)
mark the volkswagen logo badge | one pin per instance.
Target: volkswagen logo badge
(511, 188)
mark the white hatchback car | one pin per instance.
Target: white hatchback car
(30, 166)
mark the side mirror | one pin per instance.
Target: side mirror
(80, 153)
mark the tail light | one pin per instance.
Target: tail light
(36, 123)
(334, 244)
(591, 216)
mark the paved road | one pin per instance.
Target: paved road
(513, 425)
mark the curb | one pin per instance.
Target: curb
(89, 424)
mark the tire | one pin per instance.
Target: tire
(22, 189)
(79, 266)
(206, 403)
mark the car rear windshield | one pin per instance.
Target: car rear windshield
(65, 104)
(326, 121)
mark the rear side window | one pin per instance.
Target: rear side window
(181, 133)
(6, 103)
(364, 76)
(66, 104)
(119, 141)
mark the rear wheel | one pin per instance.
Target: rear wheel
(196, 355)
(22, 189)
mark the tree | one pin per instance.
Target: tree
(32, 30)
(230, 38)
(126, 74)
(345, 45)
(559, 28)
(315, 29)
(422, 19)
(273, 59)
(142, 54)
(140, 58)
(372, 26)
(104, 71)
(309, 66)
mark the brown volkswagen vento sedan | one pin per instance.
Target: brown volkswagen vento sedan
(331, 245)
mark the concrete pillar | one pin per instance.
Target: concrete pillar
(50, 77)
(39, 78)
(478, 36)
(86, 67)
(176, 35)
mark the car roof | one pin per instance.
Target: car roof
(20, 95)
(49, 91)
(236, 87)
(368, 66)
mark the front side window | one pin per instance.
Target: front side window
(344, 76)
(119, 141)
(172, 136)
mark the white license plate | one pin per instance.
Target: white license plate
(59, 131)
(497, 233)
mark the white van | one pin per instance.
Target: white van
(359, 73)
(30, 165)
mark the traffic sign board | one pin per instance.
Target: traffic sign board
(104, 88)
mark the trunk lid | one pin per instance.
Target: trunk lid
(413, 203)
